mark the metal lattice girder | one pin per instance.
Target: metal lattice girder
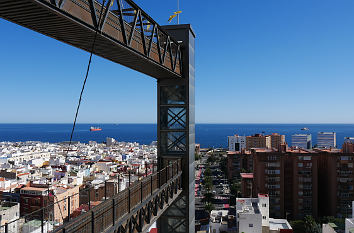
(176, 132)
(128, 35)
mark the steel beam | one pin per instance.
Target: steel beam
(75, 22)
(176, 132)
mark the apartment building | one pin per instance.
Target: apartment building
(32, 199)
(268, 174)
(33, 158)
(238, 163)
(303, 141)
(348, 145)
(290, 180)
(98, 191)
(326, 140)
(302, 182)
(336, 185)
(246, 184)
(65, 196)
(258, 141)
(236, 143)
(277, 140)
(10, 211)
(252, 215)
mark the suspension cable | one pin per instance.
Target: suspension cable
(87, 73)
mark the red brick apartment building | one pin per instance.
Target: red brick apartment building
(299, 182)
(336, 186)
(290, 178)
(36, 196)
(32, 199)
(238, 162)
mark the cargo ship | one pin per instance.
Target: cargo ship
(95, 129)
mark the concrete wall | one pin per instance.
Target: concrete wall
(327, 229)
(250, 223)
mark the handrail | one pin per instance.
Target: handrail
(119, 204)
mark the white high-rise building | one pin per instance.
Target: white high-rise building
(302, 141)
(236, 143)
(326, 140)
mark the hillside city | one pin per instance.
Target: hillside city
(36, 174)
(176, 116)
(257, 184)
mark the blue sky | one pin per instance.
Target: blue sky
(257, 61)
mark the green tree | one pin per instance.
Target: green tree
(211, 159)
(207, 172)
(235, 188)
(340, 222)
(311, 226)
(208, 197)
(196, 156)
(223, 165)
(298, 226)
(209, 207)
(209, 185)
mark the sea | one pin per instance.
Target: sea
(207, 135)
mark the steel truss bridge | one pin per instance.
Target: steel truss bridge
(125, 34)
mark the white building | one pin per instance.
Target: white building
(349, 225)
(326, 140)
(329, 228)
(252, 216)
(35, 226)
(303, 141)
(349, 222)
(9, 212)
(236, 143)
(218, 221)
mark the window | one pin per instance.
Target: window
(264, 217)
(264, 205)
(250, 225)
(300, 165)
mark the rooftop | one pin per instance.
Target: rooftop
(247, 175)
(247, 206)
(34, 189)
(260, 150)
(276, 224)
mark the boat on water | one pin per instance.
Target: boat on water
(95, 128)
(305, 128)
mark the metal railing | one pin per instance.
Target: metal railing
(94, 209)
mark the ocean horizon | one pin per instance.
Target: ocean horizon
(207, 134)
